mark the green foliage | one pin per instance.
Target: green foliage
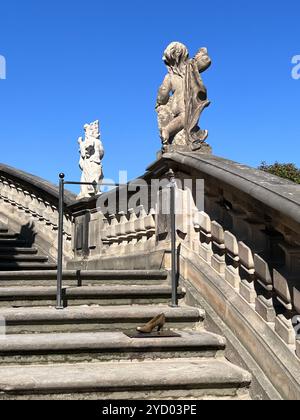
(283, 170)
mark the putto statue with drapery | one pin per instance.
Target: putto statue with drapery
(91, 155)
(181, 100)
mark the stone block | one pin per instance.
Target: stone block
(205, 222)
(205, 252)
(265, 308)
(262, 273)
(281, 285)
(296, 293)
(285, 329)
(218, 264)
(232, 277)
(246, 256)
(247, 291)
(217, 232)
(231, 243)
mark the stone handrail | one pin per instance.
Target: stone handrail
(29, 201)
(277, 193)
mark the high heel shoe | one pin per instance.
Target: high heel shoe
(159, 322)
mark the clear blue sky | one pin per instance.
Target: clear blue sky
(73, 61)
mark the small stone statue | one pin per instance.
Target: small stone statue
(181, 100)
(91, 155)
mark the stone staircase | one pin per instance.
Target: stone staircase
(81, 352)
(16, 253)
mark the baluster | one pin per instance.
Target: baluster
(247, 271)
(104, 234)
(20, 199)
(296, 293)
(40, 209)
(130, 231)
(218, 246)
(196, 233)
(150, 226)
(49, 214)
(140, 228)
(27, 200)
(205, 248)
(113, 241)
(284, 319)
(264, 304)
(33, 204)
(120, 233)
(5, 190)
(232, 274)
(54, 217)
(12, 194)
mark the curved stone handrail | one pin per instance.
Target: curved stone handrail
(40, 185)
(277, 193)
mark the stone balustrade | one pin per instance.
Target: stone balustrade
(273, 292)
(30, 205)
(126, 234)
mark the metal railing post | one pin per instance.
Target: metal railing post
(59, 300)
(172, 186)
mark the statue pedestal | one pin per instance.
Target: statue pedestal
(203, 148)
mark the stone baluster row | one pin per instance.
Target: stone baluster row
(29, 207)
(275, 293)
(128, 234)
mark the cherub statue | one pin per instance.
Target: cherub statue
(91, 155)
(182, 97)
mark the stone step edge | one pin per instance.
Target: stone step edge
(123, 314)
(109, 377)
(107, 342)
(10, 250)
(86, 275)
(10, 258)
(101, 291)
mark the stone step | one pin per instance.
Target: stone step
(106, 346)
(74, 278)
(29, 265)
(22, 258)
(96, 318)
(12, 243)
(9, 250)
(159, 379)
(23, 296)
(9, 235)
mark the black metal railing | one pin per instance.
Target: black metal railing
(174, 272)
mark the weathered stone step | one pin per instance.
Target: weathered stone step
(95, 318)
(10, 250)
(12, 242)
(9, 235)
(22, 296)
(160, 379)
(30, 265)
(22, 258)
(73, 277)
(106, 346)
